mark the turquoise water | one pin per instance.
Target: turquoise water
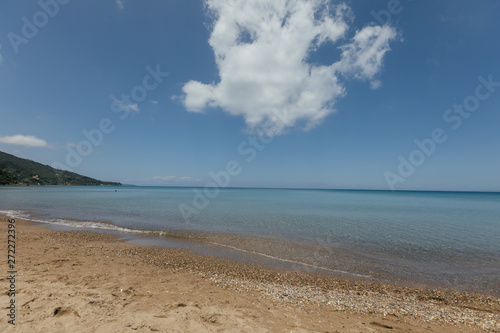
(445, 238)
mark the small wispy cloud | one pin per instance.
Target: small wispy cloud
(24, 140)
(176, 178)
(164, 178)
(375, 84)
(154, 102)
(119, 4)
(129, 107)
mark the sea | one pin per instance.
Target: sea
(410, 238)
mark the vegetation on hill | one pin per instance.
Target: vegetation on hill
(20, 171)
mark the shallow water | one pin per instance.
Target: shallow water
(436, 238)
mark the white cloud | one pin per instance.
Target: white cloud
(119, 4)
(364, 55)
(176, 178)
(23, 140)
(375, 84)
(261, 49)
(164, 178)
(154, 102)
(128, 107)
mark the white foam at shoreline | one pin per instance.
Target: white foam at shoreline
(76, 224)
(12, 213)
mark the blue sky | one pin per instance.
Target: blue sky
(341, 93)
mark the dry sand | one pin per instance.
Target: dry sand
(76, 281)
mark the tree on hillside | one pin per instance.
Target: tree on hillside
(4, 177)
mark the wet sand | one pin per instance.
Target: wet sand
(89, 282)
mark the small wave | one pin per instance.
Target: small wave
(78, 224)
(12, 213)
(292, 261)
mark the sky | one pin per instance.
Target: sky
(391, 95)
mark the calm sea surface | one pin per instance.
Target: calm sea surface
(446, 239)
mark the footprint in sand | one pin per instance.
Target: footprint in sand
(62, 311)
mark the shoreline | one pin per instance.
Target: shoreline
(345, 262)
(298, 294)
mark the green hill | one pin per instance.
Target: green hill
(20, 171)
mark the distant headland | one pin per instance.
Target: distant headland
(19, 171)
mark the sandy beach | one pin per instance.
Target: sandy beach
(88, 282)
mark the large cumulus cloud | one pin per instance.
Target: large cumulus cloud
(262, 49)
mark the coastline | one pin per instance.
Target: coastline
(83, 281)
